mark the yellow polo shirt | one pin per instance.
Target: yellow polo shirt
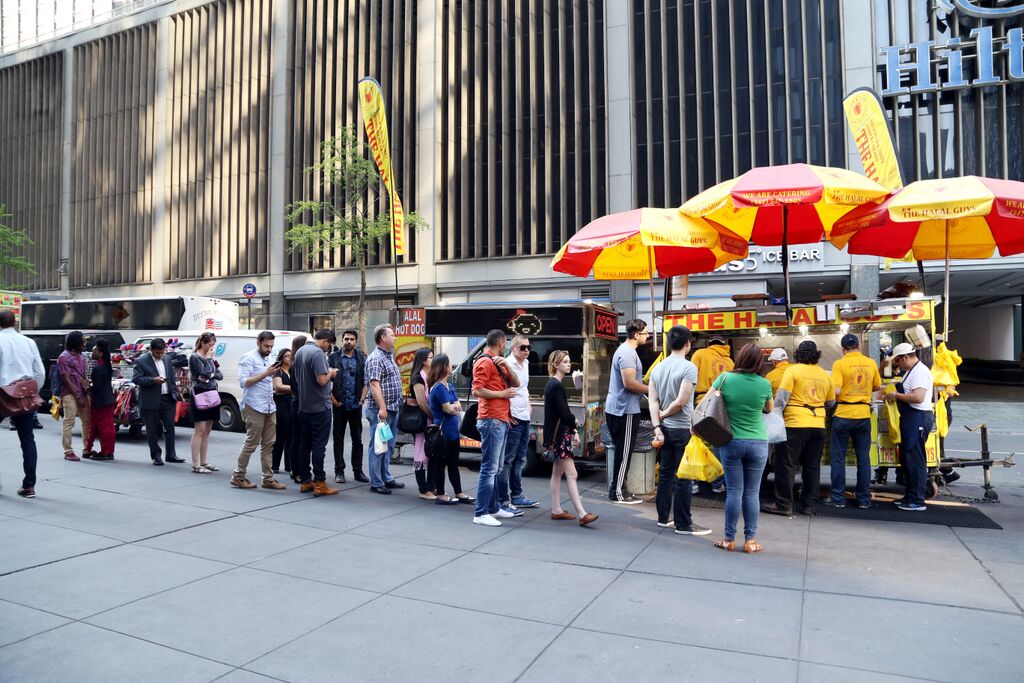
(775, 376)
(855, 377)
(809, 387)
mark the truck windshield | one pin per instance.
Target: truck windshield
(540, 351)
(601, 352)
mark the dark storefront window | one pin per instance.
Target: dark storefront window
(749, 84)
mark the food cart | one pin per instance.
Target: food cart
(880, 324)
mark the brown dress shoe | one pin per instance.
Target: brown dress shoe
(275, 485)
(320, 488)
(306, 487)
(588, 518)
(242, 483)
(563, 515)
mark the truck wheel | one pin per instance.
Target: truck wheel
(535, 466)
(229, 419)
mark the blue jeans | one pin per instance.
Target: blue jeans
(314, 430)
(492, 451)
(843, 430)
(743, 461)
(380, 464)
(509, 480)
(29, 455)
(915, 427)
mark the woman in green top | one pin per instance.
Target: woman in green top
(747, 396)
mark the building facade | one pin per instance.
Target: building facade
(160, 147)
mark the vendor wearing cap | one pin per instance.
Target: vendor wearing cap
(913, 398)
(780, 361)
(711, 362)
(805, 393)
(856, 378)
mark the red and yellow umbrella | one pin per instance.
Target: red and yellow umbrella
(969, 217)
(783, 205)
(647, 243)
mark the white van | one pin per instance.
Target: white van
(231, 346)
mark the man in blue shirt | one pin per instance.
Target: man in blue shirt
(622, 407)
(348, 390)
(255, 372)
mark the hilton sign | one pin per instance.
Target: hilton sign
(997, 59)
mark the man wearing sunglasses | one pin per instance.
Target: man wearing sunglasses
(509, 480)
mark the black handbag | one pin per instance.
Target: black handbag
(411, 419)
(468, 427)
(433, 441)
(549, 452)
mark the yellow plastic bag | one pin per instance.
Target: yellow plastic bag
(892, 413)
(55, 407)
(944, 372)
(699, 463)
(941, 415)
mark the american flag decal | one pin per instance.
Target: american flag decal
(212, 324)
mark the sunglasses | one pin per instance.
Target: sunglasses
(524, 347)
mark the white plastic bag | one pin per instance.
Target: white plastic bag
(776, 426)
(381, 435)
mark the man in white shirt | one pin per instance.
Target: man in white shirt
(509, 480)
(19, 359)
(913, 398)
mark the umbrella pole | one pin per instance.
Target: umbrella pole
(945, 298)
(650, 280)
(785, 255)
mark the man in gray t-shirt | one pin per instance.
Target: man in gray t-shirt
(671, 401)
(622, 407)
(313, 374)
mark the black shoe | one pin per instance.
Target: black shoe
(834, 503)
(806, 510)
(37, 424)
(12, 428)
(339, 478)
(863, 506)
(158, 462)
(776, 510)
(359, 476)
(381, 490)
(173, 458)
(951, 477)
(395, 484)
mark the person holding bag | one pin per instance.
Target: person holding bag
(20, 361)
(74, 393)
(445, 409)
(417, 399)
(283, 391)
(205, 403)
(101, 404)
(747, 396)
(561, 439)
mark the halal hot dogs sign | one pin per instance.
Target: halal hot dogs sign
(931, 65)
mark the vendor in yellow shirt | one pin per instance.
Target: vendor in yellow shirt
(856, 378)
(805, 393)
(711, 362)
(780, 361)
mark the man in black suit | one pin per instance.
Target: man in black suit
(158, 395)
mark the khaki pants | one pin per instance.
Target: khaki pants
(74, 408)
(260, 430)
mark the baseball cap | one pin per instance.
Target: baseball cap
(716, 340)
(849, 341)
(778, 355)
(807, 346)
(903, 349)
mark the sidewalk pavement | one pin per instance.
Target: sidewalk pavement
(120, 571)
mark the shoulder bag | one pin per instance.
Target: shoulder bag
(711, 419)
(411, 419)
(20, 398)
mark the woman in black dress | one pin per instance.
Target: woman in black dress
(205, 372)
(283, 383)
(561, 438)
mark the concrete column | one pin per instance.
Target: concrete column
(619, 70)
(428, 147)
(161, 179)
(67, 135)
(280, 75)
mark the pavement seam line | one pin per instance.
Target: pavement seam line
(989, 572)
(803, 597)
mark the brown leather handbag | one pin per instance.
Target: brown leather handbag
(19, 398)
(710, 420)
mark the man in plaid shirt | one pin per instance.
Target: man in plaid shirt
(385, 384)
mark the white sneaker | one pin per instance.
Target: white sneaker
(486, 520)
(502, 514)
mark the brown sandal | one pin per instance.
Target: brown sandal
(725, 545)
(752, 546)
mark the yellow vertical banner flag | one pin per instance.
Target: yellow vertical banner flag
(371, 103)
(874, 142)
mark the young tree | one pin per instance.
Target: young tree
(345, 215)
(12, 241)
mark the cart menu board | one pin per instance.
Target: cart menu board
(12, 301)
(708, 321)
(533, 321)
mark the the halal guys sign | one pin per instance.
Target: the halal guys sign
(909, 68)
